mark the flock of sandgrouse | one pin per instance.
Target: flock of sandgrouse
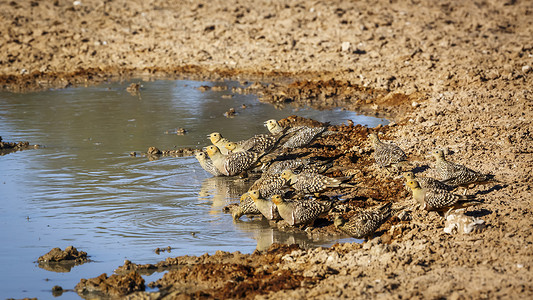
(287, 185)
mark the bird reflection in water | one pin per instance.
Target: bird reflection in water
(260, 229)
(222, 191)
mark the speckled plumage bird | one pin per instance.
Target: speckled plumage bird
(303, 211)
(274, 127)
(233, 163)
(246, 207)
(308, 165)
(364, 224)
(260, 143)
(207, 164)
(385, 154)
(439, 200)
(458, 175)
(276, 167)
(308, 183)
(427, 182)
(219, 141)
(266, 207)
(297, 136)
(268, 184)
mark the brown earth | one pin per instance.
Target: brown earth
(452, 74)
(58, 260)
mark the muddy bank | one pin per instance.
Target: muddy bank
(452, 75)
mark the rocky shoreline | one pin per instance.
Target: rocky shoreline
(449, 74)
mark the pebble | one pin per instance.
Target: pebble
(526, 68)
(345, 46)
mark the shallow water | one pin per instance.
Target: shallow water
(84, 189)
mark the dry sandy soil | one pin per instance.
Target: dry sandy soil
(451, 74)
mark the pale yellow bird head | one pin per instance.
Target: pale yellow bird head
(287, 174)
(230, 146)
(438, 154)
(277, 199)
(214, 137)
(200, 156)
(271, 124)
(254, 194)
(212, 150)
(409, 175)
(413, 184)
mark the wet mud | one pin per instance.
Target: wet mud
(450, 75)
(10, 147)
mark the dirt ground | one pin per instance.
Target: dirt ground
(455, 75)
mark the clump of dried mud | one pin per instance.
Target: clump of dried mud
(70, 253)
(112, 286)
(454, 75)
(58, 260)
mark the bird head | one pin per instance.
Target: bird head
(287, 175)
(277, 199)
(409, 175)
(212, 150)
(438, 154)
(237, 213)
(214, 137)
(271, 124)
(230, 146)
(200, 156)
(339, 221)
(254, 194)
(413, 184)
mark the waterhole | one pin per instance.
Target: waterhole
(83, 188)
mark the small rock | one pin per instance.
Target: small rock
(345, 46)
(57, 291)
(526, 68)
